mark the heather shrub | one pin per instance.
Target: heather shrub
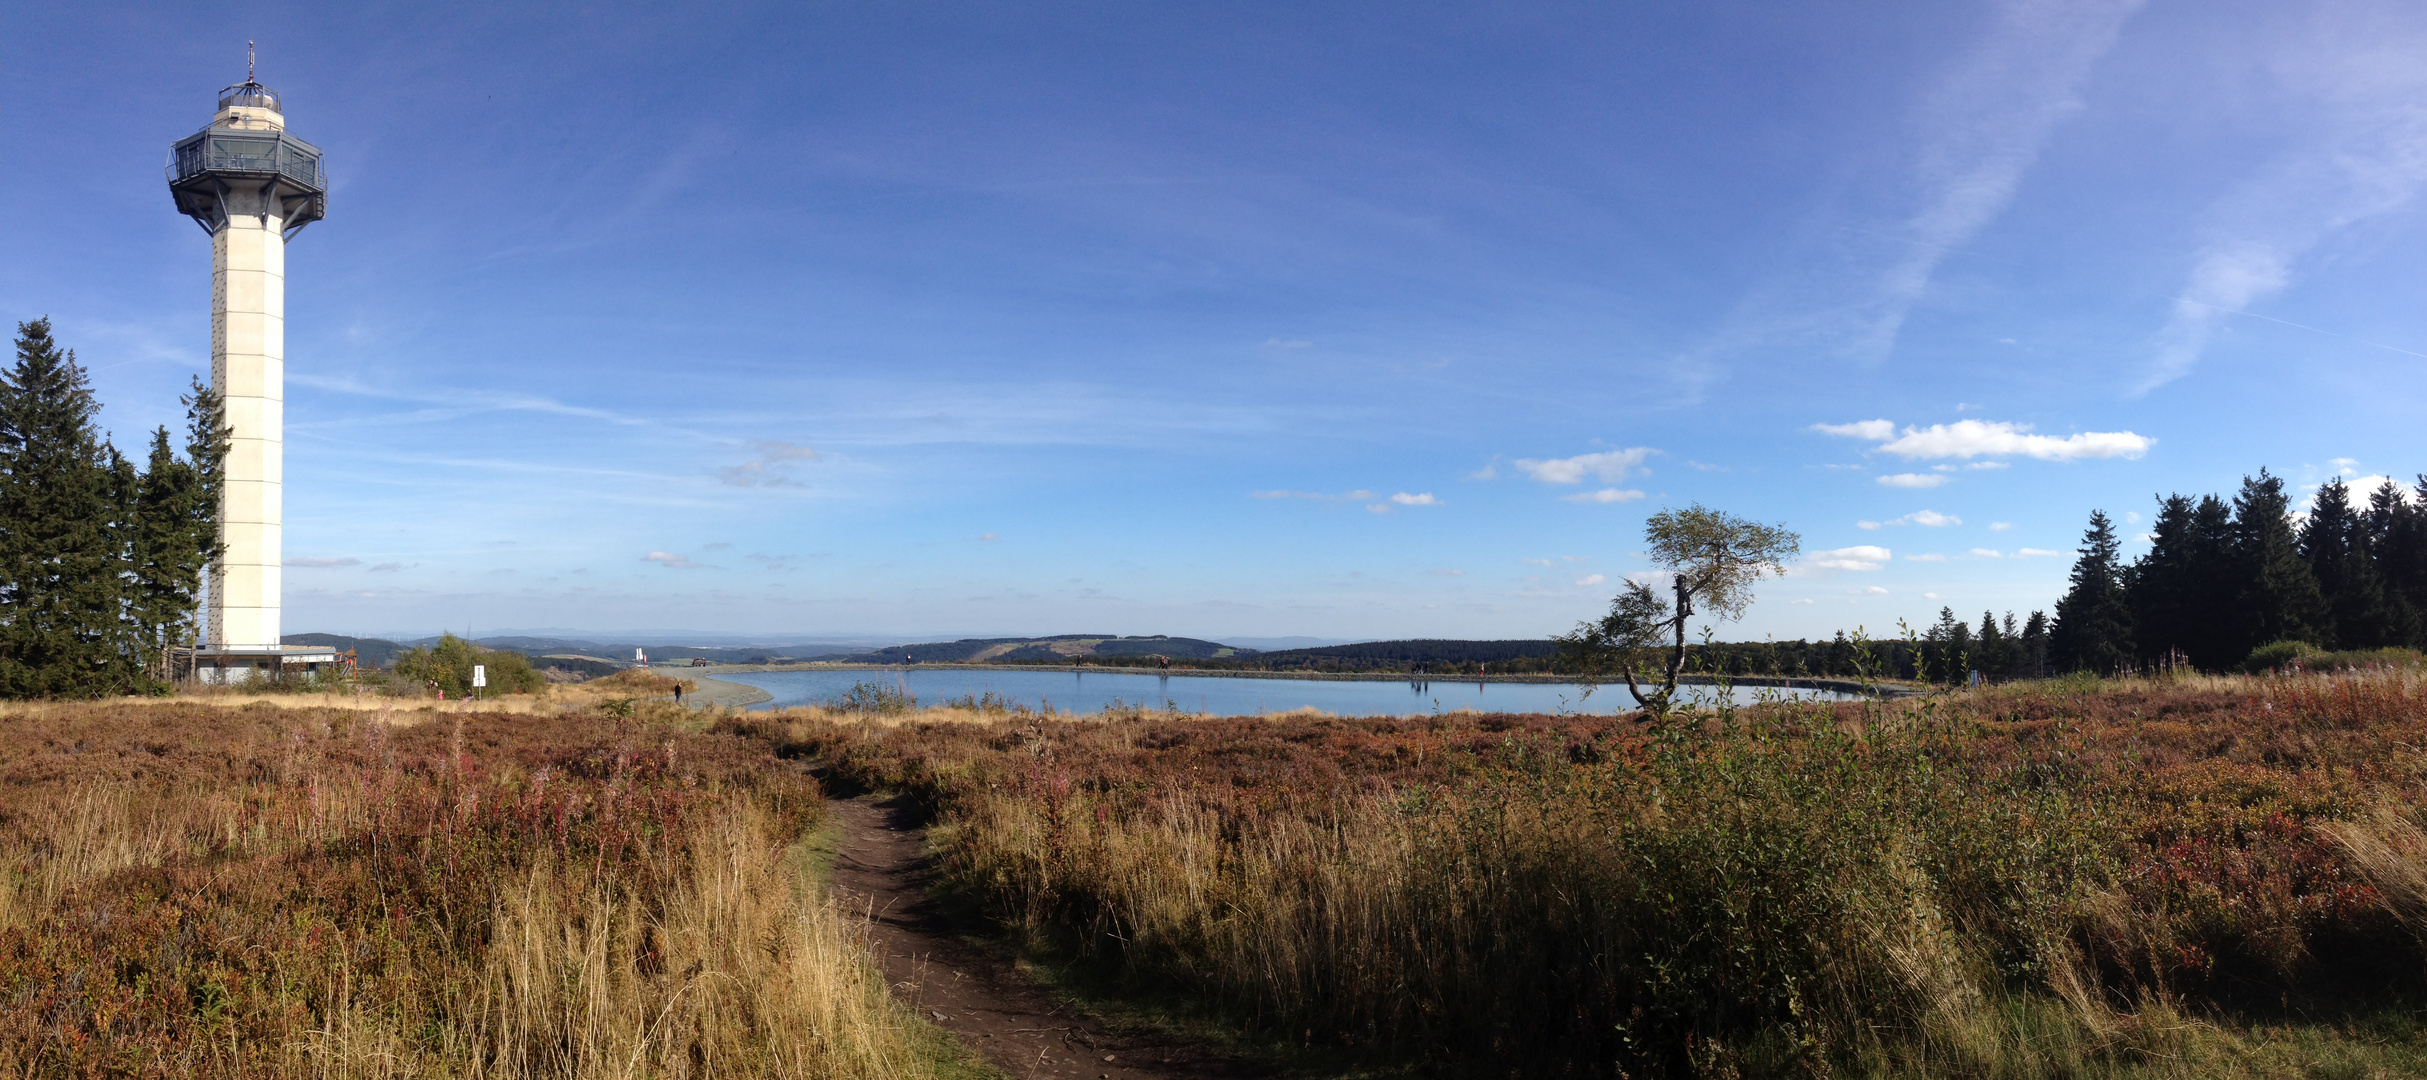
(2043, 879)
(266, 891)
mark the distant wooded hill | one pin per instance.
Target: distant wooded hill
(1061, 647)
(1424, 651)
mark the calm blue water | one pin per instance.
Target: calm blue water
(1087, 692)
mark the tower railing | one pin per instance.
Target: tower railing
(254, 153)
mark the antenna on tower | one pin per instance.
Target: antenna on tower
(248, 61)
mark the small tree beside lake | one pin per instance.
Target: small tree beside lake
(1713, 560)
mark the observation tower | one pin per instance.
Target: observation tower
(252, 187)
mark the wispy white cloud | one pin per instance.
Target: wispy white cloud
(1592, 579)
(1913, 480)
(669, 560)
(2038, 553)
(1422, 499)
(1983, 129)
(1977, 438)
(1874, 590)
(766, 468)
(1866, 430)
(1988, 438)
(320, 563)
(1988, 553)
(2361, 155)
(1930, 557)
(2000, 526)
(1925, 518)
(1609, 465)
(1605, 495)
(1359, 495)
(989, 537)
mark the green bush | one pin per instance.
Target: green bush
(447, 667)
(2280, 654)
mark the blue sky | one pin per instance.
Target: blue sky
(1351, 320)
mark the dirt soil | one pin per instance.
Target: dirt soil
(982, 999)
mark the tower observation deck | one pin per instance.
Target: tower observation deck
(252, 186)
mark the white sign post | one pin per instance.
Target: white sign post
(480, 678)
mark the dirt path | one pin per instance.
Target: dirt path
(985, 1002)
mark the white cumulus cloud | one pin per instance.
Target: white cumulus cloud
(1591, 579)
(1931, 557)
(1424, 499)
(2037, 553)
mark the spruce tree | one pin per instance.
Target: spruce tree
(63, 626)
(2277, 597)
(174, 527)
(1946, 649)
(2397, 539)
(2335, 543)
(2093, 629)
(2031, 658)
(2183, 589)
(1989, 648)
(2163, 594)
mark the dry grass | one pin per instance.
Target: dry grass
(271, 891)
(2182, 877)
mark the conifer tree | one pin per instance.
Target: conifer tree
(2335, 543)
(2183, 589)
(2093, 629)
(174, 529)
(2397, 538)
(2277, 595)
(1989, 648)
(63, 630)
(2031, 653)
(1946, 649)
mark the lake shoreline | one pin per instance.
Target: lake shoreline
(1840, 686)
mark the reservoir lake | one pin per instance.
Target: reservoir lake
(1094, 691)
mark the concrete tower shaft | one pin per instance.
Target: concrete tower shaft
(251, 186)
(248, 369)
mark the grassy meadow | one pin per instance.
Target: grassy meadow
(2193, 876)
(2186, 876)
(196, 889)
